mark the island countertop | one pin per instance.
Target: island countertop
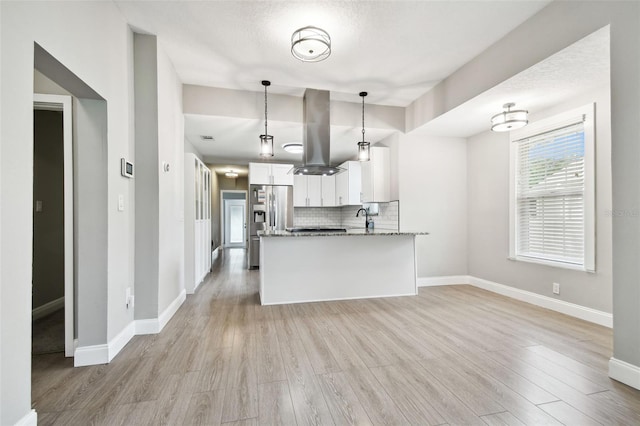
(350, 232)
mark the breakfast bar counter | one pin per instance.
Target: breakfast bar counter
(317, 265)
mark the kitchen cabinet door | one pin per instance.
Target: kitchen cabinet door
(376, 178)
(348, 184)
(300, 191)
(280, 174)
(259, 174)
(314, 191)
(328, 191)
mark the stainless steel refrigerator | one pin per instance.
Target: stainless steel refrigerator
(270, 208)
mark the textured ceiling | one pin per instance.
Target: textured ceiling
(395, 50)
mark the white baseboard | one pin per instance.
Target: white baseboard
(567, 308)
(91, 355)
(29, 419)
(447, 280)
(155, 325)
(47, 308)
(121, 339)
(103, 354)
(170, 311)
(624, 372)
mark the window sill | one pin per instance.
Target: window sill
(562, 265)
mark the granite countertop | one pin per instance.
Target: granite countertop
(349, 233)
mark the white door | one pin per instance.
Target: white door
(235, 223)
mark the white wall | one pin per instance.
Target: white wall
(92, 40)
(488, 204)
(433, 198)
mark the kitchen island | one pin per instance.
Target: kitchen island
(313, 266)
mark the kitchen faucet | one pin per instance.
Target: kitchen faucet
(367, 221)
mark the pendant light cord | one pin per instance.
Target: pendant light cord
(265, 110)
(363, 94)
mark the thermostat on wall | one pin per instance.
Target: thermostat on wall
(126, 168)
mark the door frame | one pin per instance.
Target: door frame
(222, 215)
(64, 103)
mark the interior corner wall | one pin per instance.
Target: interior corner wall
(90, 221)
(97, 54)
(146, 176)
(488, 221)
(433, 198)
(171, 183)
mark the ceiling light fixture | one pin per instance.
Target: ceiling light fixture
(363, 147)
(509, 120)
(231, 174)
(293, 148)
(266, 140)
(310, 44)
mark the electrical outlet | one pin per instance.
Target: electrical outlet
(556, 288)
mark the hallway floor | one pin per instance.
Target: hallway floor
(452, 355)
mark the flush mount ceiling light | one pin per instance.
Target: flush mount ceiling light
(363, 147)
(310, 44)
(266, 140)
(509, 119)
(293, 148)
(231, 174)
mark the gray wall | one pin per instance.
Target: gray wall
(48, 224)
(90, 220)
(146, 176)
(433, 198)
(488, 205)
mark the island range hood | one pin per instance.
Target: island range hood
(316, 135)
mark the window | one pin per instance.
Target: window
(552, 191)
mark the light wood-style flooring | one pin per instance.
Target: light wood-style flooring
(452, 355)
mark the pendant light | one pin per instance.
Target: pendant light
(509, 119)
(266, 140)
(310, 44)
(363, 147)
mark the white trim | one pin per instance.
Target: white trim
(334, 299)
(571, 309)
(103, 354)
(116, 344)
(624, 372)
(155, 325)
(47, 308)
(91, 355)
(29, 419)
(173, 307)
(446, 280)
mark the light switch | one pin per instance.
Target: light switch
(38, 206)
(120, 202)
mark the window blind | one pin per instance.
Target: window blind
(550, 194)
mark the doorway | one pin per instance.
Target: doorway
(53, 248)
(234, 218)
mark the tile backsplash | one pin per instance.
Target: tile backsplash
(388, 217)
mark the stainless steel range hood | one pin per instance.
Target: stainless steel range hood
(316, 137)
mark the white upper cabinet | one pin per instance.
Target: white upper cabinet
(348, 184)
(376, 176)
(314, 191)
(328, 191)
(270, 174)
